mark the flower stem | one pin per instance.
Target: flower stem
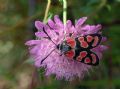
(64, 11)
(46, 11)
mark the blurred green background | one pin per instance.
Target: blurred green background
(17, 26)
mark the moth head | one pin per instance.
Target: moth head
(64, 47)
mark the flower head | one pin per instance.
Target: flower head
(44, 48)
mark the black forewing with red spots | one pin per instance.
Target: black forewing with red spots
(90, 41)
(84, 46)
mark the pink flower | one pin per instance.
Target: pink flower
(54, 63)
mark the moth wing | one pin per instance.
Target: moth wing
(71, 42)
(88, 57)
(70, 54)
(90, 41)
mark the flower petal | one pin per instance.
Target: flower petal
(40, 34)
(39, 25)
(32, 42)
(69, 23)
(57, 20)
(91, 29)
(80, 21)
(51, 23)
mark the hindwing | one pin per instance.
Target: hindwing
(88, 57)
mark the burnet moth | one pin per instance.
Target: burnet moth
(79, 48)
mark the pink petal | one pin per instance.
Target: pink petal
(57, 20)
(51, 23)
(40, 34)
(39, 25)
(69, 23)
(80, 21)
(32, 42)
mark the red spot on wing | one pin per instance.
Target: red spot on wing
(81, 39)
(70, 54)
(81, 55)
(83, 43)
(71, 42)
(87, 60)
(96, 40)
(94, 60)
(79, 58)
(89, 38)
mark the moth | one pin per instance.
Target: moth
(79, 48)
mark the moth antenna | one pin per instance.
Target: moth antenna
(48, 36)
(47, 56)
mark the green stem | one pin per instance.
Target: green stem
(46, 11)
(64, 11)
